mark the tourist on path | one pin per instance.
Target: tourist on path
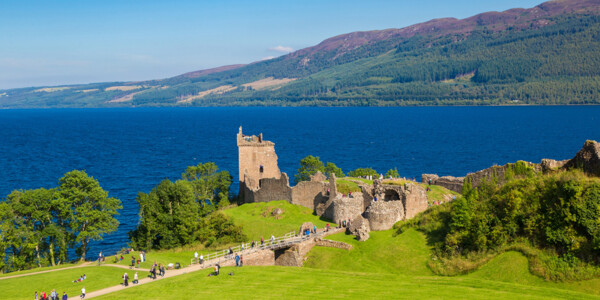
(262, 240)
(82, 293)
(241, 260)
(237, 260)
(99, 257)
(141, 256)
(201, 259)
(272, 239)
(196, 256)
(162, 270)
(65, 297)
(135, 278)
(125, 277)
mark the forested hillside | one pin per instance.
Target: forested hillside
(549, 54)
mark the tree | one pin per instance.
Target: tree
(208, 183)
(37, 209)
(309, 165)
(332, 168)
(392, 173)
(172, 214)
(363, 172)
(91, 212)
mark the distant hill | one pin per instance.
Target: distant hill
(549, 54)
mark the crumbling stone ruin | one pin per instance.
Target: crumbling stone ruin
(261, 181)
(587, 159)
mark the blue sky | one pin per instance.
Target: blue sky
(66, 42)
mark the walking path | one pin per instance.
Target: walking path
(280, 243)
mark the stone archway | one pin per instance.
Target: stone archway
(391, 195)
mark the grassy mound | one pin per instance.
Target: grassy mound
(97, 278)
(257, 219)
(405, 254)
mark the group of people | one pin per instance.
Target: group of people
(160, 269)
(239, 260)
(343, 223)
(53, 296)
(81, 278)
(126, 279)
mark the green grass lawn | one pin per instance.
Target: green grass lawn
(257, 220)
(344, 186)
(383, 267)
(306, 283)
(406, 254)
(61, 266)
(97, 278)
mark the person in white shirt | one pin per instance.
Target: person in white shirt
(196, 256)
(82, 293)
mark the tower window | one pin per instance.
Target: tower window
(262, 169)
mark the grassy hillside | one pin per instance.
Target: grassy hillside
(257, 220)
(406, 254)
(385, 266)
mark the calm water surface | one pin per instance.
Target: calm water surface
(132, 150)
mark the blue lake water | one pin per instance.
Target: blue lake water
(132, 150)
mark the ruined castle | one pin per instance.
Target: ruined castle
(377, 207)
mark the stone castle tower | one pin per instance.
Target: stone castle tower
(257, 160)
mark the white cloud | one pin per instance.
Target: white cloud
(283, 49)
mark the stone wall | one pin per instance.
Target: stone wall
(270, 189)
(260, 258)
(295, 255)
(310, 193)
(333, 244)
(450, 182)
(347, 208)
(415, 200)
(382, 215)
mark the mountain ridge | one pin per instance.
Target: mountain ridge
(377, 60)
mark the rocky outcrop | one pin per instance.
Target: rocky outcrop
(587, 159)
(359, 227)
(305, 226)
(549, 165)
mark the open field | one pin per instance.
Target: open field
(62, 281)
(385, 266)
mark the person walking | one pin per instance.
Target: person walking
(196, 256)
(99, 257)
(135, 278)
(82, 293)
(125, 283)
(142, 256)
(272, 239)
(262, 240)
(65, 297)
(201, 259)
(241, 260)
(237, 260)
